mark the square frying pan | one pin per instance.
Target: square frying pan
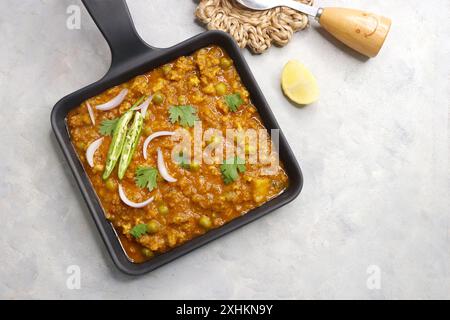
(131, 56)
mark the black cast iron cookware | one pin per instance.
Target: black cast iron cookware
(131, 56)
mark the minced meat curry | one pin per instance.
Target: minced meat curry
(156, 206)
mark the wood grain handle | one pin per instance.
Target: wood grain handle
(362, 31)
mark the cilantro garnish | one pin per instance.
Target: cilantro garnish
(231, 169)
(139, 230)
(107, 126)
(146, 177)
(185, 115)
(234, 101)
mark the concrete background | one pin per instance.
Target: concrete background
(374, 152)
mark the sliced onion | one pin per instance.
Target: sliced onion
(153, 136)
(130, 203)
(91, 113)
(162, 168)
(90, 151)
(114, 102)
(144, 106)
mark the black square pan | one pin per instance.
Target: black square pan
(131, 56)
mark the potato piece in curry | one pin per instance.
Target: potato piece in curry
(203, 196)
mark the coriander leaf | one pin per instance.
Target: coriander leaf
(139, 230)
(234, 101)
(185, 115)
(231, 169)
(146, 177)
(107, 126)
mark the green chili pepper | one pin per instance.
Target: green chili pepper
(118, 139)
(130, 143)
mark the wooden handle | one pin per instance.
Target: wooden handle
(365, 32)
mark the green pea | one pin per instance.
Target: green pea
(86, 119)
(221, 88)
(99, 168)
(225, 63)
(249, 149)
(194, 166)
(147, 253)
(182, 100)
(163, 209)
(153, 226)
(205, 222)
(110, 185)
(147, 131)
(158, 98)
(81, 145)
(166, 69)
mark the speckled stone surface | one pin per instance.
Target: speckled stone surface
(374, 152)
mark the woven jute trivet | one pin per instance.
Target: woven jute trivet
(254, 29)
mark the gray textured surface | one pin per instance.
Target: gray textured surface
(374, 151)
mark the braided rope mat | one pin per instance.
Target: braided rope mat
(254, 29)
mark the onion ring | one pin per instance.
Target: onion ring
(90, 151)
(114, 102)
(91, 113)
(163, 169)
(130, 203)
(153, 136)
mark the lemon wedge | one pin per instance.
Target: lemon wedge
(299, 84)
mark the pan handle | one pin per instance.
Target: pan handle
(113, 19)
